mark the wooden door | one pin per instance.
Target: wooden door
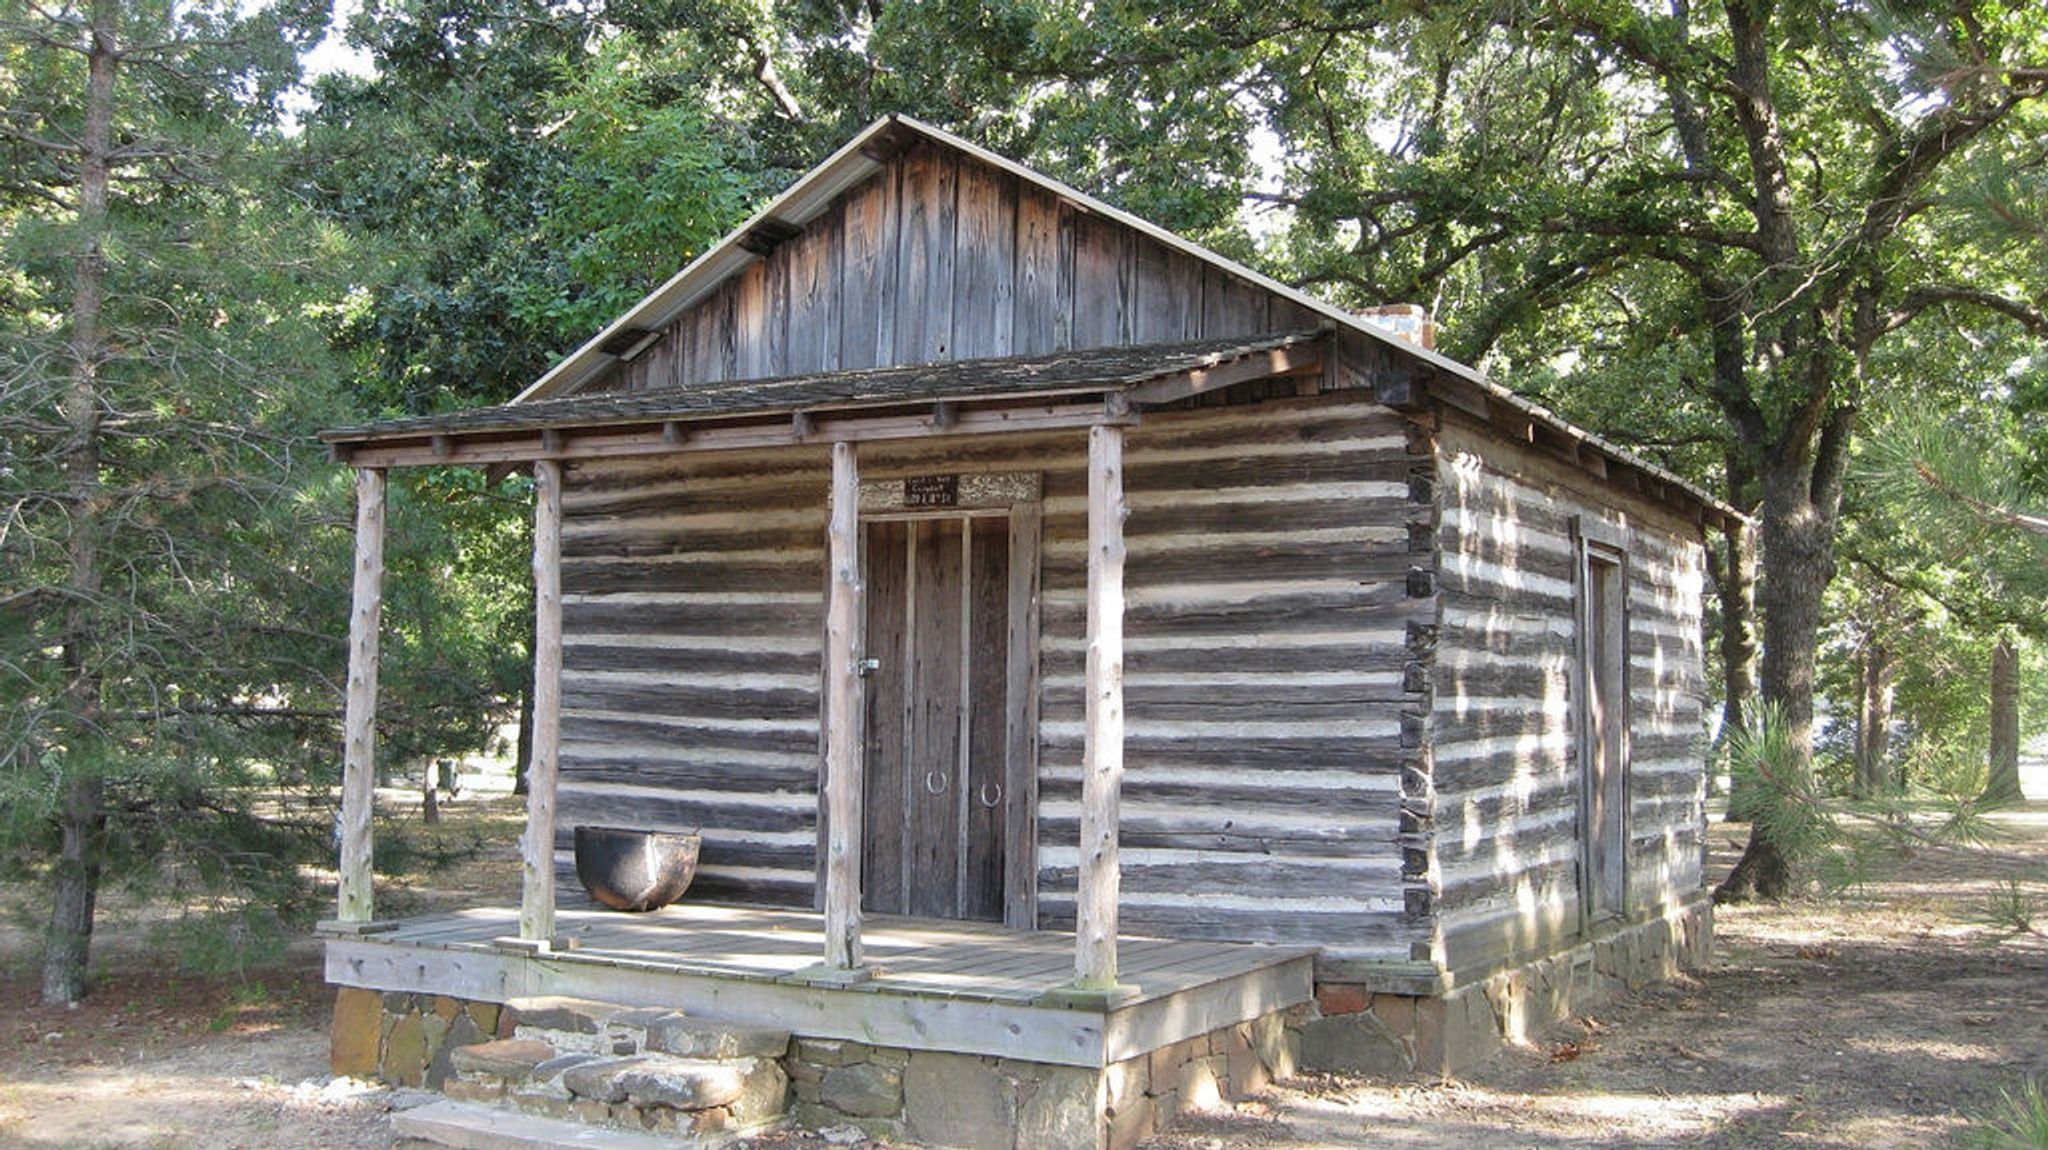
(937, 795)
(1603, 744)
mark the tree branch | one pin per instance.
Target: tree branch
(1915, 158)
(1920, 299)
(1989, 513)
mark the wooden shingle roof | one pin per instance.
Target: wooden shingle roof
(1065, 373)
(1072, 389)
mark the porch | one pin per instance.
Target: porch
(959, 987)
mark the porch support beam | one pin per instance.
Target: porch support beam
(359, 763)
(843, 768)
(537, 848)
(1102, 753)
(665, 436)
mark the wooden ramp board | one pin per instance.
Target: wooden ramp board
(936, 985)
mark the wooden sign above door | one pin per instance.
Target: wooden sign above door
(958, 491)
(931, 491)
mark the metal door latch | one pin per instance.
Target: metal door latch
(866, 667)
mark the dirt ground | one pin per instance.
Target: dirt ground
(1885, 1018)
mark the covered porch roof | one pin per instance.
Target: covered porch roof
(1068, 389)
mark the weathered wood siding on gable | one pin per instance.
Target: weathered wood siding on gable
(1504, 765)
(937, 258)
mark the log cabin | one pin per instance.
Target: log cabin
(1083, 658)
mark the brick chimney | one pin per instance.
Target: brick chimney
(1409, 321)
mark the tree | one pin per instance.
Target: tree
(157, 499)
(522, 173)
(1961, 492)
(1733, 213)
(512, 177)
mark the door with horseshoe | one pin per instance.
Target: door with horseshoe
(937, 631)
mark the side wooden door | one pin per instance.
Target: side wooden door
(1603, 738)
(937, 795)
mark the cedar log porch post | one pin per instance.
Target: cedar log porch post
(1102, 753)
(843, 767)
(537, 893)
(359, 757)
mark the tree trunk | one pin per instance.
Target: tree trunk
(2004, 783)
(1737, 593)
(74, 884)
(1798, 561)
(1873, 716)
(523, 755)
(74, 892)
(1734, 574)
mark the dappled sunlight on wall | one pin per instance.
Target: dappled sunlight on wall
(1502, 738)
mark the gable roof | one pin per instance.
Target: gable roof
(1419, 379)
(852, 164)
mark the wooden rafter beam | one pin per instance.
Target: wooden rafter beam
(1299, 359)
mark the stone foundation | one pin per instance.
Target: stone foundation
(977, 1102)
(981, 1102)
(405, 1039)
(1355, 1027)
(984, 1102)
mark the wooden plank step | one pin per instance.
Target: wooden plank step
(464, 1126)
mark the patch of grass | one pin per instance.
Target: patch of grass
(2018, 1122)
(2013, 909)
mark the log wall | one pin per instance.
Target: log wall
(938, 257)
(1269, 659)
(1503, 764)
(1266, 668)
(693, 591)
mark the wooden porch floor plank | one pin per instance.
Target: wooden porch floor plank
(965, 961)
(1191, 969)
(478, 921)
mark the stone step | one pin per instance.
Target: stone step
(607, 1065)
(508, 1058)
(687, 1037)
(581, 1025)
(749, 1090)
(462, 1126)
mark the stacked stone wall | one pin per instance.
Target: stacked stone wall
(405, 1039)
(981, 1102)
(543, 1057)
(1354, 1027)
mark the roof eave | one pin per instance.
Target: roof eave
(800, 203)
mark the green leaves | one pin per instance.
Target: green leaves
(641, 185)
